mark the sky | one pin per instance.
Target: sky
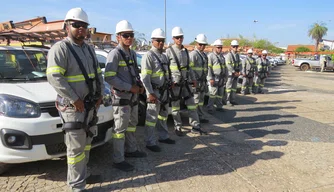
(281, 22)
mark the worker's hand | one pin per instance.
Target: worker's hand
(135, 89)
(212, 82)
(194, 83)
(152, 98)
(244, 75)
(236, 74)
(79, 105)
(98, 103)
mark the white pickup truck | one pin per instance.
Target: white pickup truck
(311, 63)
(30, 126)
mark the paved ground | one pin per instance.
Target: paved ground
(279, 141)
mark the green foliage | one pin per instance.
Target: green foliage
(227, 42)
(317, 31)
(302, 49)
(193, 43)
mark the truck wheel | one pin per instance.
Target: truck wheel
(4, 167)
(304, 67)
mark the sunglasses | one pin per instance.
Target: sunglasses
(79, 24)
(219, 47)
(264, 55)
(179, 37)
(159, 40)
(127, 35)
(235, 46)
(201, 44)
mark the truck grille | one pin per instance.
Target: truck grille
(50, 108)
(55, 149)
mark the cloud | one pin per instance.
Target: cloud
(281, 26)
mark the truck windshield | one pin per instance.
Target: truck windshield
(22, 64)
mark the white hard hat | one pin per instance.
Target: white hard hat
(77, 14)
(201, 38)
(264, 52)
(123, 26)
(218, 42)
(158, 33)
(250, 51)
(234, 43)
(177, 31)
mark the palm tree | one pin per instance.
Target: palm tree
(139, 40)
(316, 32)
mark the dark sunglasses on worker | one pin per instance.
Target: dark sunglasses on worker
(159, 40)
(179, 37)
(235, 46)
(219, 47)
(79, 24)
(127, 35)
(201, 44)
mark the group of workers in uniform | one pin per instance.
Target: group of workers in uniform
(170, 77)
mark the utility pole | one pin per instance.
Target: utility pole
(165, 24)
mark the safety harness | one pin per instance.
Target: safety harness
(251, 71)
(221, 75)
(167, 83)
(183, 81)
(90, 100)
(235, 66)
(201, 79)
(135, 80)
(263, 71)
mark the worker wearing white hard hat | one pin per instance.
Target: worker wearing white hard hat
(121, 73)
(263, 71)
(217, 75)
(155, 75)
(199, 65)
(248, 73)
(182, 77)
(233, 64)
(76, 99)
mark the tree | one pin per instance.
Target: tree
(193, 43)
(139, 40)
(302, 49)
(316, 32)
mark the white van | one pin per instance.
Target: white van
(30, 126)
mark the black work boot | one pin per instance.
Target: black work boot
(92, 179)
(123, 166)
(136, 154)
(179, 133)
(154, 148)
(167, 141)
(198, 130)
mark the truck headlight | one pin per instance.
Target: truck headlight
(107, 99)
(13, 106)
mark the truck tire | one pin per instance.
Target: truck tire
(304, 67)
(4, 167)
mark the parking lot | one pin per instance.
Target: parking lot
(280, 141)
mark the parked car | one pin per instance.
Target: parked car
(30, 126)
(312, 63)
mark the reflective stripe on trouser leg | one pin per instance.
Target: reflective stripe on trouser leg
(244, 86)
(192, 112)
(130, 138)
(199, 101)
(161, 125)
(76, 142)
(150, 123)
(212, 97)
(121, 119)
(231, 88)
(176, 109)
